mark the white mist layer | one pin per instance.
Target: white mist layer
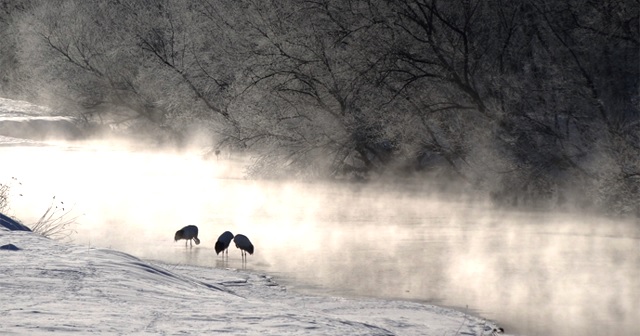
(540, 273)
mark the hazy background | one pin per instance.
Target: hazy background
(530, 103)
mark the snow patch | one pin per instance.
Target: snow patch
(12, 107)
(20, 119)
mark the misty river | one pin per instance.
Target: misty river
(535, 273)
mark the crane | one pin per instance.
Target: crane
(223, 242)
(189, 232)
(244, 244)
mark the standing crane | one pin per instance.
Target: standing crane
(223, 242)
(244, 244)
(189, 232)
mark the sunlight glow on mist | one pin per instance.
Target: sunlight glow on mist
(145, 196)
(519, 267)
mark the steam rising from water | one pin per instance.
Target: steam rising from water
(537, 273)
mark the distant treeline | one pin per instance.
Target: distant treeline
(533, 102)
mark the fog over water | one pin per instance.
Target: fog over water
(536, 273)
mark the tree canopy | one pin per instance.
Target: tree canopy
(533, 102)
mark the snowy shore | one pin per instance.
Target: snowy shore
(51, 287)
(47, 286)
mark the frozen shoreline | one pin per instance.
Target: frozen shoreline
(47, 286)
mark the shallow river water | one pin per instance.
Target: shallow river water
(535, 273)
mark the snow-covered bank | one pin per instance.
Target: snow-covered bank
(20, 119)
(47, 286)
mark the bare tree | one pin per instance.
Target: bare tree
(313, 63)
(527, 100)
